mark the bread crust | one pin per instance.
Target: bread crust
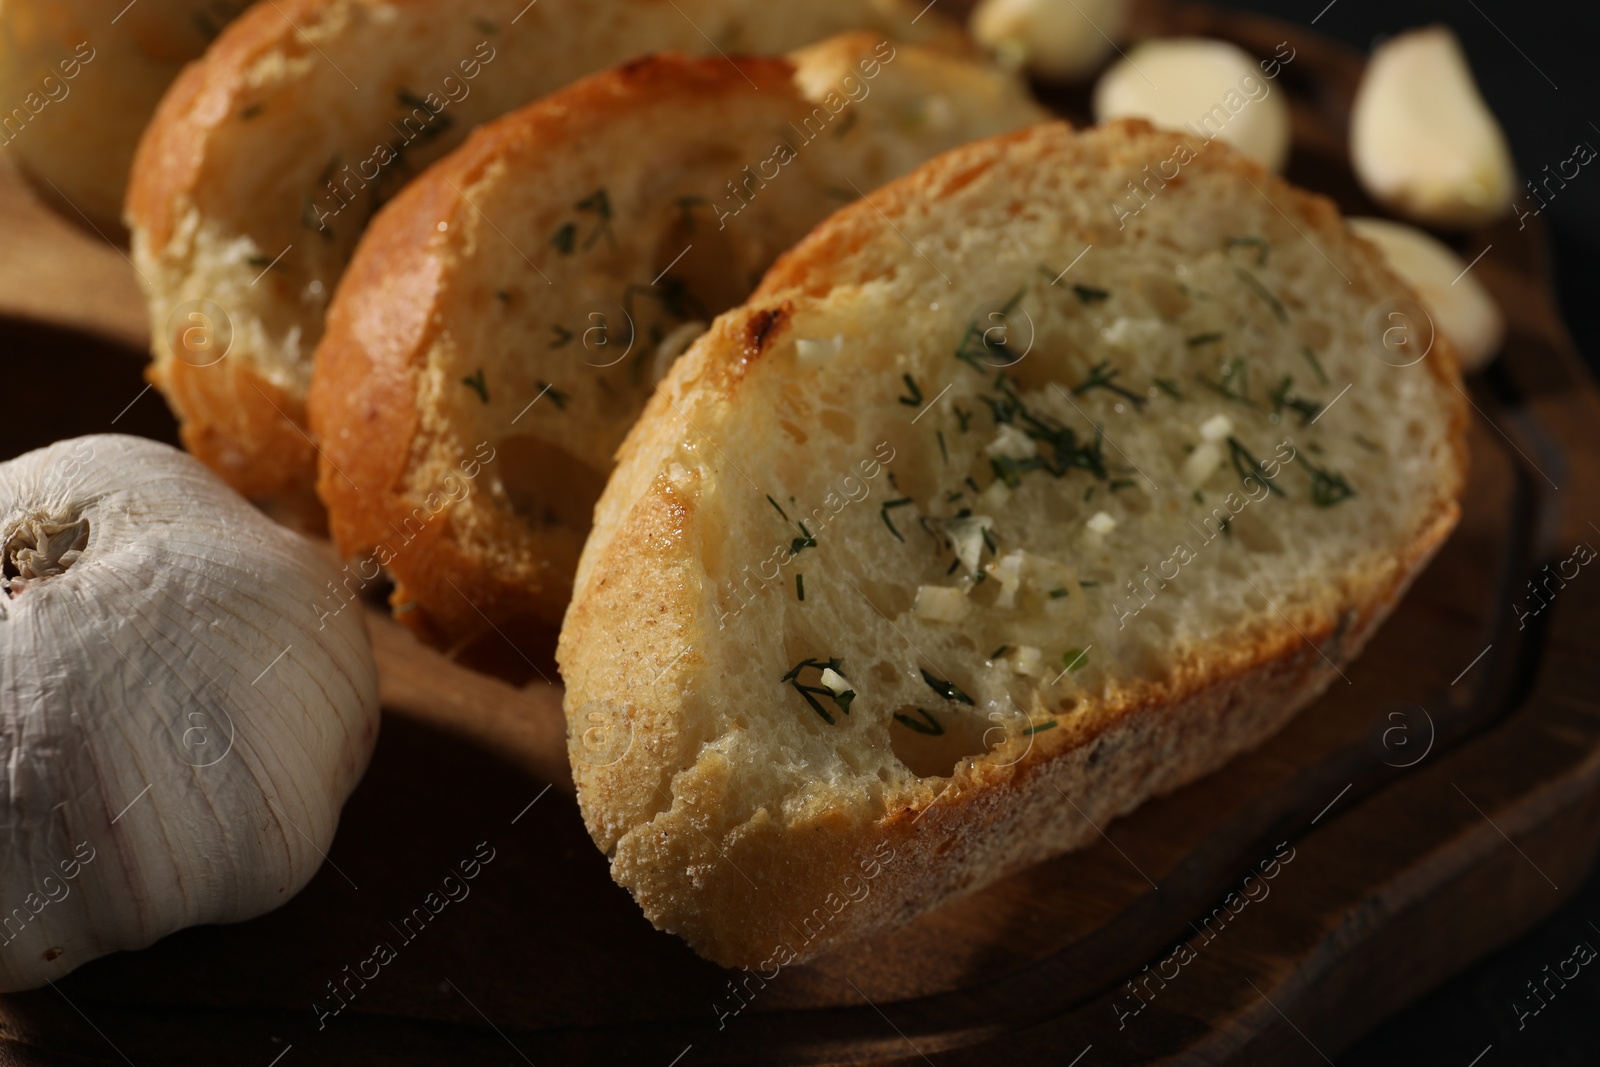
(374, 406)
(188, 182)
(740, 889)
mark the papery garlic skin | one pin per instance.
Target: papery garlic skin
(1051, 38)
(174, 698)
(1422, 140)
(1461, 307)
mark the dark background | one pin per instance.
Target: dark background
(1536, 63)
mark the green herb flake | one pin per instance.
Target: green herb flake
(800, 586)
(1089, 295)
(1234, 383)
(598, 203)
(943, 451)
(1263, 292)
(884, 512)
(978, 343)
(565, 239)
(803, 542)
(1263, 249)
(927, 724)
(1075, 659)
(948, 690)
(1168, 386)
(1121, 484)
(1101, 376)
(1327, 487)
(1366, 444)
(962, 417)
(1204, 339)
(1316, 365)
(557, 397)
(779, 510)
(811, 692)
(1283, 397)
(1246, 465)
(1039, 728)
(1002, 650)
(913, 399)
(1057, 594)
(560, 336)
(476, 383)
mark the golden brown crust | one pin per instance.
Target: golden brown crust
(740, 887)
(375, 405)
(364, 404)
(198, 189)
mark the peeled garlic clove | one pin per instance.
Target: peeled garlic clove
(1065, 39)
(1422, 140)
(187, 702)
(1211, 89)
(1462, 309)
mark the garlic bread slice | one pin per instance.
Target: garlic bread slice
(1007, 502)
(520, 299)
(268, 157)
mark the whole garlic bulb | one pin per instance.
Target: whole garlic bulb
(1422, 140)
(181, 717)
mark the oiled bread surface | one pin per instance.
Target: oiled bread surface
(1097, 663)
(306, 116)
(520, 299)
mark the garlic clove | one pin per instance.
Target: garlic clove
(1422, 140)
(188, 702)
(1212, 89)
(1051, 38)
(1462, 308)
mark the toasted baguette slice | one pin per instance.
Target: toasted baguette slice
(1071, 532)
(114, 63)
(526, 292)
(306, 116)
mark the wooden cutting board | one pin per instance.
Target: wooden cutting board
(1429, 811)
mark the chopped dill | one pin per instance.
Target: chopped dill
(477, 384)
(963, 417)
(1327, 487)
(1002, 650)
(779, 510)
(1089, 295)
(946, 689)
(1101, 377)
(1246, 464)
(1316, 365)
(1122, 483)
(943, 451)
(1168, 386)
(1258, 243)
(1204, 339)
(803, 542)
(1283, 397)
(1075, 659)
(565, 239)
(811, 692)
(562, 336)
(1039, 728)
(1057, 594)
(557, 397)
(800, 586)
(884, 512)
(1234, 383)
(926, 725)
(1264, 293)
(914, 399)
